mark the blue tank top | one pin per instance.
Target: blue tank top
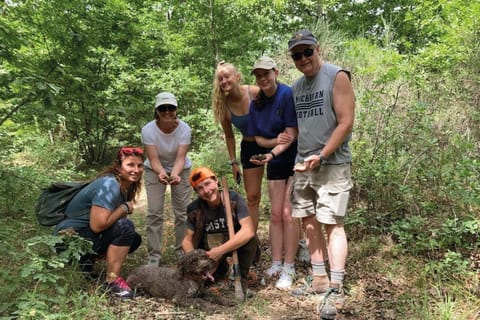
(241, 122)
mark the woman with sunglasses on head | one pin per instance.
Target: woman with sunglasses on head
(231, 102)
(167, 141)
(274, 126)
(99, 213)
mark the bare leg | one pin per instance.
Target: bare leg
(252, 179)
(284, 230)
(337, 246)
(315, 239)
(115, 258)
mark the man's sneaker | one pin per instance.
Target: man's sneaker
(320, 284)
(332, 302)
(303, 255)
(286, 280)
(120, 288)
(273, 271)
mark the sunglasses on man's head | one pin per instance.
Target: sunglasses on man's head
(131, 150)
(298, 55)
(166, 107)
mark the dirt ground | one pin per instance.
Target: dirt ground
(264, 301)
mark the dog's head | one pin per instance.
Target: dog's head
(196, 265)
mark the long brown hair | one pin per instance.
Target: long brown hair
(129, 191)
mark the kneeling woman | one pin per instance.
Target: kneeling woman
(99, 213)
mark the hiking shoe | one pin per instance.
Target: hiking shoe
(285, 281)
(120, 288)
(332, 302)
(273, 271)
(320, 284)
(303, 255)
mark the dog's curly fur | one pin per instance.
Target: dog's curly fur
(185, 284)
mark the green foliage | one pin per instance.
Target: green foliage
(44, 276)
(424, 236)
(78, 79)
(452, 265)
(46, 262)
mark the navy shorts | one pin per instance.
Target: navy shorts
(279, 171)
(249, 149)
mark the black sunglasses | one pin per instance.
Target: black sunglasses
(166, 107)
(307, 53)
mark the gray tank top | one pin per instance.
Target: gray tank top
(315, 115)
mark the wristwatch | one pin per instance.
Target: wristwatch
(322, 158)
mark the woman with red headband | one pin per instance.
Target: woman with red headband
(99, 213)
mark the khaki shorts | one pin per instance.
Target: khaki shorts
(323, 191)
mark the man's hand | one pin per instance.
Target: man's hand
(308, 163)
(215, 253)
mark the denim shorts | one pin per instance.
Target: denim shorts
(323, 192)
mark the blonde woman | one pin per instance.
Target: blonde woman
(231, 102)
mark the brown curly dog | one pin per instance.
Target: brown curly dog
(185, 284)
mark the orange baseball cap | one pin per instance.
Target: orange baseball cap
(198, 175)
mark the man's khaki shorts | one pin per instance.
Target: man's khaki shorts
(323, 191)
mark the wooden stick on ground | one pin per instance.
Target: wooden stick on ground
(231, 232)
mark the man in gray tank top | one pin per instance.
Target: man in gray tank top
(324, 103)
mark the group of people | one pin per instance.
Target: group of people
(300, 133)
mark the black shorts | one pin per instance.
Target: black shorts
(279, 171)
(249, 149)
(122, 233)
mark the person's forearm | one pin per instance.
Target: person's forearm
(237, 241)
(178, 167)
(231, 148)
(266, 143)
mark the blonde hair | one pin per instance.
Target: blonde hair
(219, 99)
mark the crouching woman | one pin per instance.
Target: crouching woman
(206, 226)
(99, 213)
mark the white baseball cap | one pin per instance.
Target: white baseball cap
(165, 98)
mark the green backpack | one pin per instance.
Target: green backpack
(53, 200)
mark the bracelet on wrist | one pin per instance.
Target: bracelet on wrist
(233, 162)
(273, 154)
(126, 208)
(322, 158)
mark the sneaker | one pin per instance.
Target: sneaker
(303, 255)
(285, 281)
(120, 288)
(332, 302)
(273, 271)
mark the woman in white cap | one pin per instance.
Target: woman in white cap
(167, 141)
(273, 123)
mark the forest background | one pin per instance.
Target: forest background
(78, 80)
